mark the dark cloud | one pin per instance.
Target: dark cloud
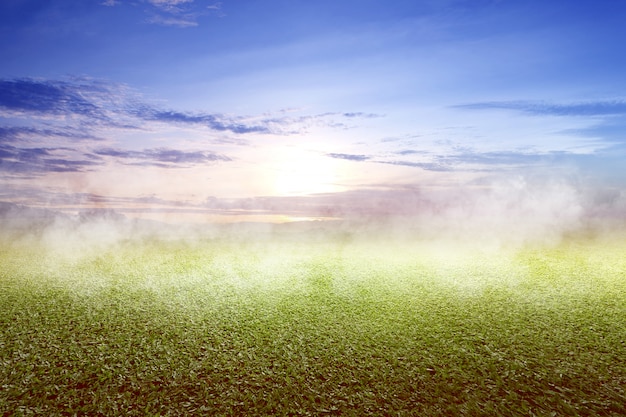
(163, 157)
(592, 108)
(348, 157)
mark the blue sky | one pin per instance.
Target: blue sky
(270, 110)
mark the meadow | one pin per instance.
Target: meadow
(313, 327)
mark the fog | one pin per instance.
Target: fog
(490, 214)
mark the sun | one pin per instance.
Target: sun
(298, 171)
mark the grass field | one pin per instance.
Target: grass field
(313, 328)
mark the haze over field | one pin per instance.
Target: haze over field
(496, 121)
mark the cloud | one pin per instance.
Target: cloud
(348, 157)
(428, 166)
(591, 108)
(362, 115)
(39, 161)
(612, 132)
(23, 133)
(470, 160)
(45, 97)
(606, 126)
(163, 157)
(185, 21)
(34, 196)
(409, 152)
(177, 13)
(109, 105)
(169, 5)
(215, 122)
(180, 13)
(36, 161)
(460, 159)
(215, 6)
(100, 103)
(286, 124)
(500, 158)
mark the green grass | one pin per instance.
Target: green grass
(220, 328)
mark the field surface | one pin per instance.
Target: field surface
(313, 328)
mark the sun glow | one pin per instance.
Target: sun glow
(300, 172)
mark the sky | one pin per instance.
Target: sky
(275, 110)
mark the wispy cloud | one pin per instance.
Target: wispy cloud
(604, 118)
(178, 13)
(183, 21)
(45, 97)
(115, 105)
(348, 157)
(284, 123)
(163, 157)
(428, 166)
(38, 161)
(80, 124)
(100, 103)
(460, 159)
(170, 5)
(31, 134)
(473, 160)
(362, 115)
(409, 152)
(590, 108)
(215, 122)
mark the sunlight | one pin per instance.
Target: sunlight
(300, 171)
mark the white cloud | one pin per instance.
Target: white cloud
(168, 3)
(181, 13)
(183, 22)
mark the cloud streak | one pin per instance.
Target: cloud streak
(164, 157)
(39, 161)
(177, 13)
(104, 104)
(110, 105)
(31, 134)
(214, 122)
(591, 108)
(466, 160)
(349, 157)
(605, 129)
(40, 97)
